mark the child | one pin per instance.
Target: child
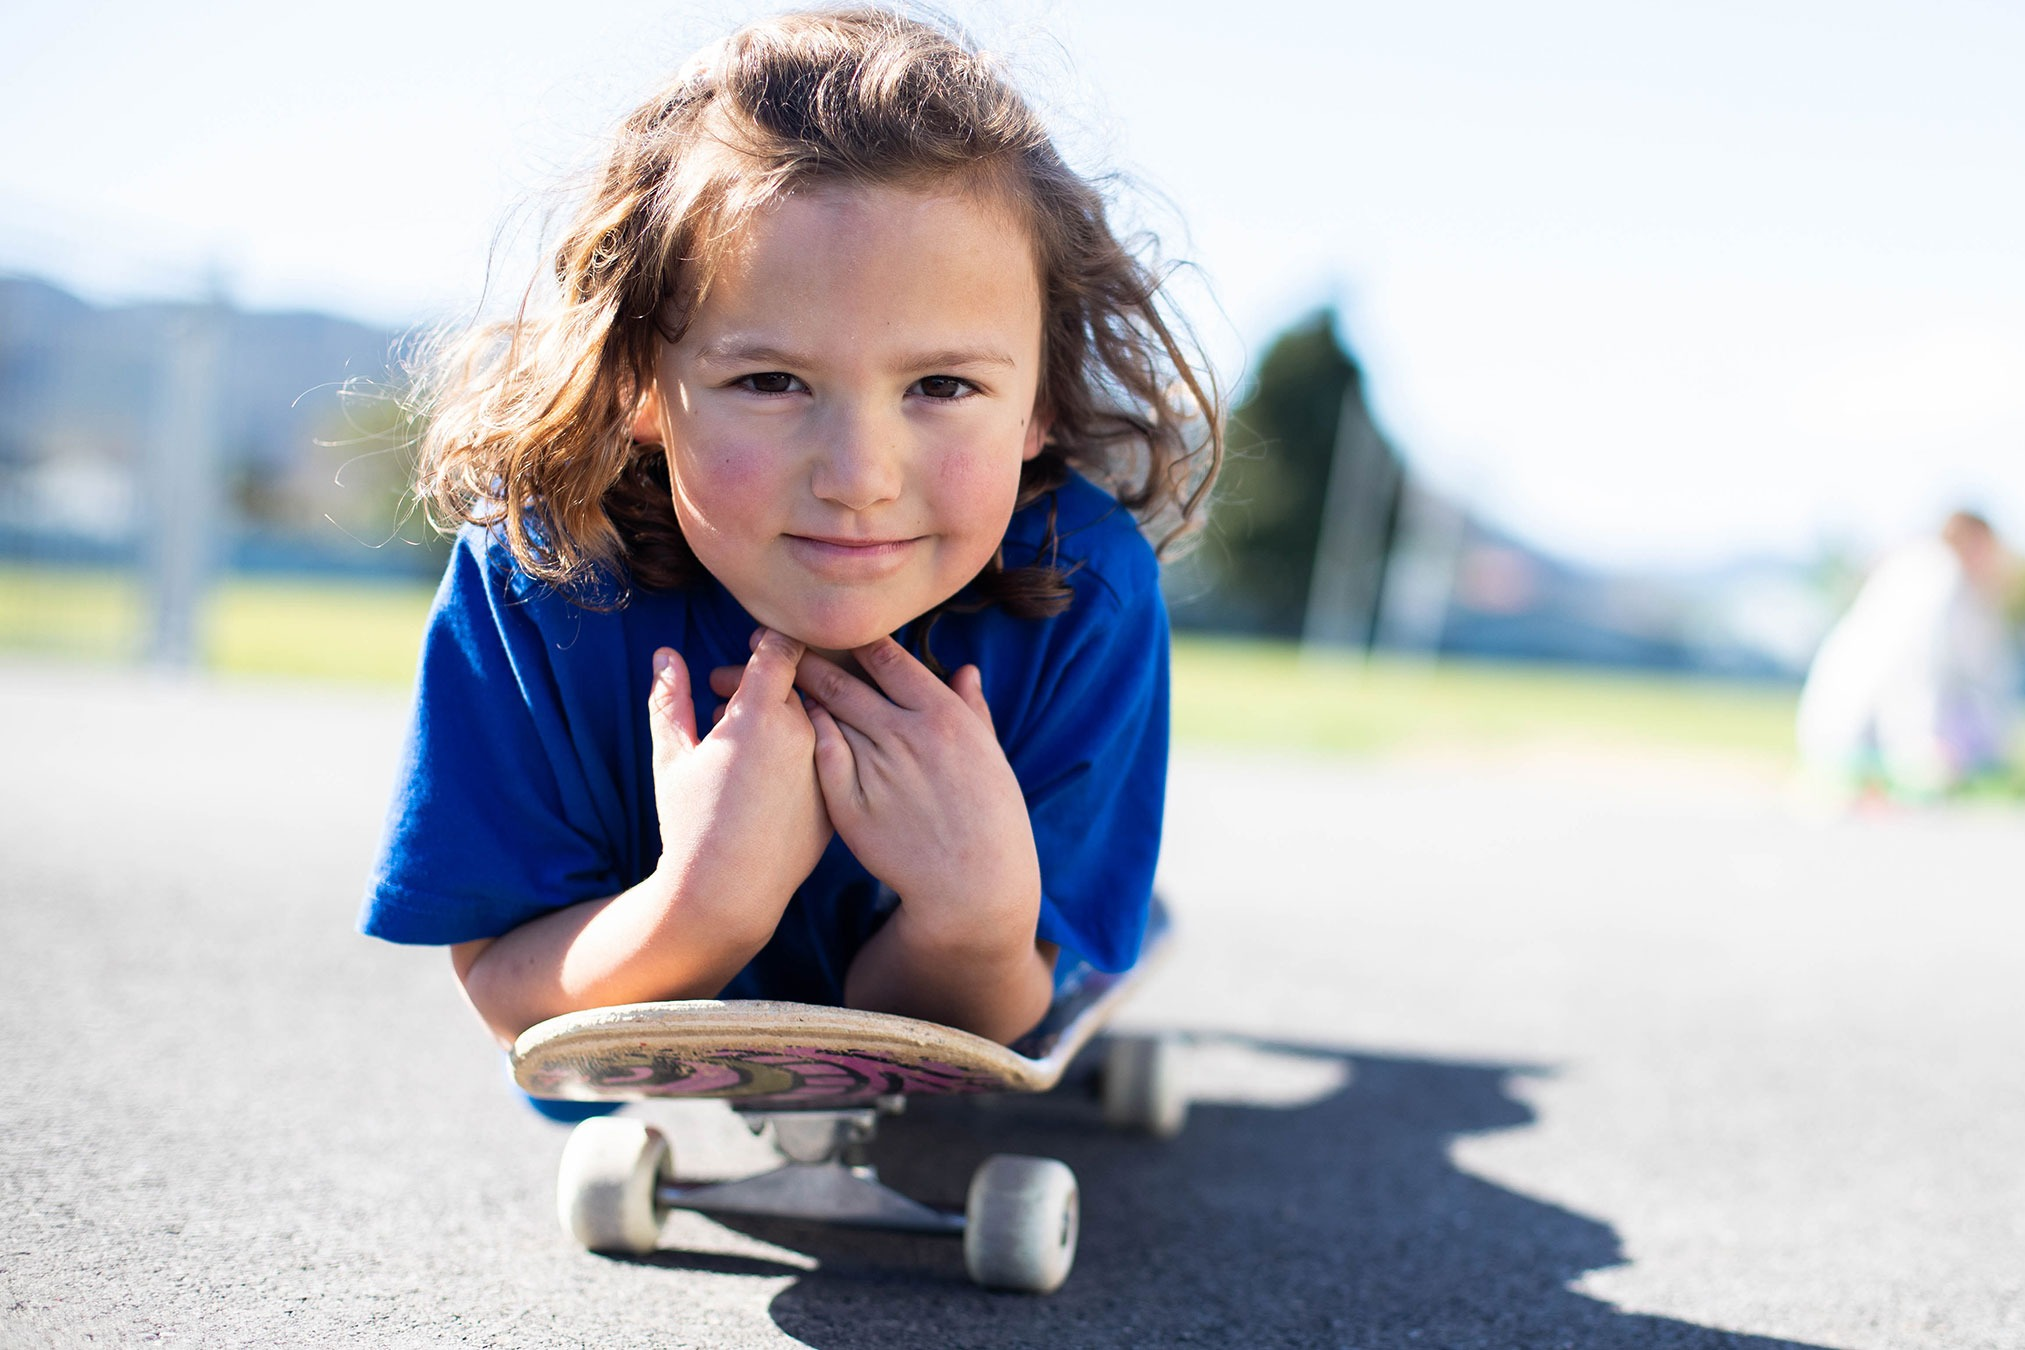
(1914, 685)
(838, 338)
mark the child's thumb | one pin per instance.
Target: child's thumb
(671, 712)
(770, 675)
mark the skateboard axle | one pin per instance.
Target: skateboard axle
(827, 1191)
(826, 1178)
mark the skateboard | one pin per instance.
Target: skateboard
(820, 1078)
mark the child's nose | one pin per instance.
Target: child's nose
(862, 461)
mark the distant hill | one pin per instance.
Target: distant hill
(82, 387)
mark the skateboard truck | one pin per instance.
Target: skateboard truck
(825, 1177)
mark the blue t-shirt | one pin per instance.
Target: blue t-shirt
(527, 780)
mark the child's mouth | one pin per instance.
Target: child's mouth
(848, 557)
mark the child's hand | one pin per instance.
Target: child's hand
(742, 818)
(915, 782)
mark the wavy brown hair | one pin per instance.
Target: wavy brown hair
(529, 420)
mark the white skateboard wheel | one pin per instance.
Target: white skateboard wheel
(1020, 1224)
(606, 1189)
(1144, 1085)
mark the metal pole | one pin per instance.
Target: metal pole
(1343, 584)
(1420, 584)
(182, 500)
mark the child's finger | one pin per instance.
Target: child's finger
(836, 765)
(968, 682)
(896, 671)
(770, 675)
(724, 680)
(854, 702)
(671, 712)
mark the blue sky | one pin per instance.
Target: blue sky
(1654, 284)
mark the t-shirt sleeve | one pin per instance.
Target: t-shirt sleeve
(493, 820)
(1092, 761)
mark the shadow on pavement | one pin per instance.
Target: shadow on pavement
(1335, 1221)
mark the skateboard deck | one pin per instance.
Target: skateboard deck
(805, 1056)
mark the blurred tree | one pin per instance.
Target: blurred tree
(1266, 521)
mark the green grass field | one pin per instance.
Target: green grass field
(1271, 694)
(337, 630)
(1235, 693)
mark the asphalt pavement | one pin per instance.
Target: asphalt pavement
(1528, 1050)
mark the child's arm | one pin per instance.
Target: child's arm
(742, 825)
(916, 783)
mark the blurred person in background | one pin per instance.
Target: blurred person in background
(1913, 689)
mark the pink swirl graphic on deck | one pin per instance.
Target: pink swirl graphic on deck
(802, 1076)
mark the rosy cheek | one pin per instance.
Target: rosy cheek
(978, 481)
(721, 482)
(733, 471)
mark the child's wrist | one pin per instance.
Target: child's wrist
(996, 986)
(967, 935)
(722, 912)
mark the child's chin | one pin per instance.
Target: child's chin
(846, 628)
(836, 639)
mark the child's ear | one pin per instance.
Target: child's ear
(1037, 434)
(646, 429)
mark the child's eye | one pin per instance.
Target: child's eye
(943, 387)
(770, 382)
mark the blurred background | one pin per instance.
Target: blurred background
(1586, 358)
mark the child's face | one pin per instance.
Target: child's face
(846, 416)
